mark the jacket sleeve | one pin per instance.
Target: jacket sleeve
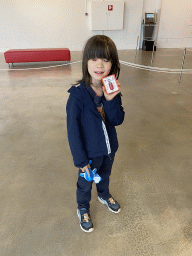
(75, 138)
(114, 111)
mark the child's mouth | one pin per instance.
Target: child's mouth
(97, 72)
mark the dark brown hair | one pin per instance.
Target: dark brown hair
(99, 46)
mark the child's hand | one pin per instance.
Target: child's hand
(85, 169)
(110, 96)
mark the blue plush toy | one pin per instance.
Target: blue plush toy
(93, 175)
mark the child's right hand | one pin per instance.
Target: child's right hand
(85, 169)
(112, 95)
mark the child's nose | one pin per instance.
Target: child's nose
(100, 63)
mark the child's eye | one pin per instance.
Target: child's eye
(106, 60)
(94, 59)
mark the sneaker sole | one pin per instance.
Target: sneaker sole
(103, 202)
(87, 231)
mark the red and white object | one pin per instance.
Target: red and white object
(110, 84)
(110, 7)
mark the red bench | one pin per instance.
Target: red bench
(37, 55)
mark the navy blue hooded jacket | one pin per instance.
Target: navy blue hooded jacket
(88, 135)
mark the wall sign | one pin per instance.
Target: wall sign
(110, 7)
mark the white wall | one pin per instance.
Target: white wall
(62, 23)
(59, 23)
(175, 30)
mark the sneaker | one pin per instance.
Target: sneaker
(111, 204)
(85, 220)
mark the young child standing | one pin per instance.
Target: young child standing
(91, 119)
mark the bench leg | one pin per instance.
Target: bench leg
(10, 65)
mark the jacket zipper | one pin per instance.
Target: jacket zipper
(106, 138)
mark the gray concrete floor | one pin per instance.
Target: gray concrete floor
(152, 173)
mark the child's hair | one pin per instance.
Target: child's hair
(99, 46)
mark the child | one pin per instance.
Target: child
(91, 117)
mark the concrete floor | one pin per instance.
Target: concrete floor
(151, 177)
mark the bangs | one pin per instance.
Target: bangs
(99, 51)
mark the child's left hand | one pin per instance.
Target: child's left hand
(112, 95)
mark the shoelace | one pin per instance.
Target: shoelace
(86, 217)
(111, 201)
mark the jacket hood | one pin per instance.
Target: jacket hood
(79, 92)
(82, 94)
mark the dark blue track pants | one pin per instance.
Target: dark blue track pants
(104, 166)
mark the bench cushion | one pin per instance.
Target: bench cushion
(37, 55)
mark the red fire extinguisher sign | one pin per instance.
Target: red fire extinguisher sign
(110, 7)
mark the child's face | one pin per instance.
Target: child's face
(98, 68)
